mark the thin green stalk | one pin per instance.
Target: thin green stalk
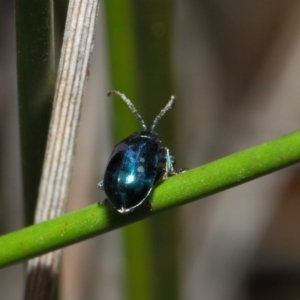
(153, 23)
(124, 77)
(177, 190)
(36, 81)
(122, 63)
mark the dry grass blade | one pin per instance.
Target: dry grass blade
(56, 174)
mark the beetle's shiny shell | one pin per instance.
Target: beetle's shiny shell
(133, 170)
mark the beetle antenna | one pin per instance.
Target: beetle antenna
(169, 105)
(131, 106)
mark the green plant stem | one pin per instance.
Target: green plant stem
(177, 190)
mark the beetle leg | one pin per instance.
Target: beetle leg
(169, 161)
(169, 164)
(149, 206)
(182, 170)
(101, 185)
(102, 202)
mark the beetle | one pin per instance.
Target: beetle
(136, 164)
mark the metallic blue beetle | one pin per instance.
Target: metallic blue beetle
(136, 164)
